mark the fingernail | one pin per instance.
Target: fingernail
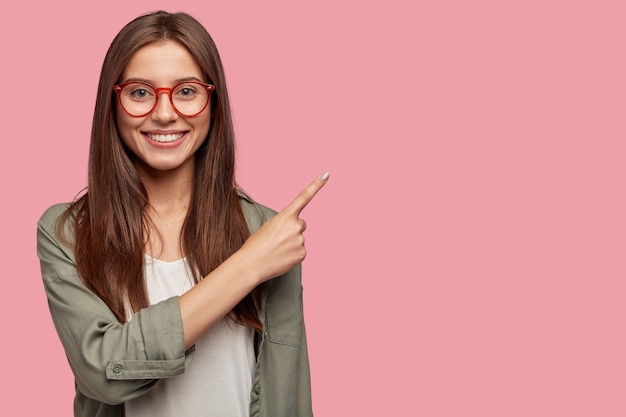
(324, 177)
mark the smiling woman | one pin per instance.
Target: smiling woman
(164, 259)
(160, 134)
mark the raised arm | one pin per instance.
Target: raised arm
(272, 250)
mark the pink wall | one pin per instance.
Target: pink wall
(467, 257)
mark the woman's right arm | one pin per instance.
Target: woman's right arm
(111, 362)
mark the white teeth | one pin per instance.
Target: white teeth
(165, 138)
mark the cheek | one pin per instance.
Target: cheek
(203, 124)
(125, 126)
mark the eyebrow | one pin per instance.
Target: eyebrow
(176, 81)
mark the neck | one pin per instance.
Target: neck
(169, 195)
(168, 191)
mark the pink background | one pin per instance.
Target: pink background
(467, 257)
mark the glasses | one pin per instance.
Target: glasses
(188, 99)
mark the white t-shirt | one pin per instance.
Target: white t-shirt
(218, 381)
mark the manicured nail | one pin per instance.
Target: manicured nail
(324, 177)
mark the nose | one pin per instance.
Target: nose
(164, 111)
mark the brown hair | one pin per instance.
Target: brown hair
(110, 218)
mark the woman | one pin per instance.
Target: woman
(173, 293)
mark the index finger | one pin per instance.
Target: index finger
(306, 195)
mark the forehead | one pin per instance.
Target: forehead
(162, 62)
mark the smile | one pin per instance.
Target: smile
(171, 137)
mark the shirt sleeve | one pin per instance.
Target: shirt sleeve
(112, 362)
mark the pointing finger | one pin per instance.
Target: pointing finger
(307, 194)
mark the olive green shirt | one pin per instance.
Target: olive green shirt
(114, 362)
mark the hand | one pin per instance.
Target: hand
(278, 245)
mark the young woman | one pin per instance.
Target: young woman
(173, 293)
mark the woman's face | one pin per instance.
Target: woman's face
(163, 140)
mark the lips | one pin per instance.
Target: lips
(165, 138)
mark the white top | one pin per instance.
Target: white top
(218, 381)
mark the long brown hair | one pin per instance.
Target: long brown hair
(110, 218)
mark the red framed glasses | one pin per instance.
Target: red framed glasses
(139, 98)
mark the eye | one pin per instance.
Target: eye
(139, 91)
(187, 91)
